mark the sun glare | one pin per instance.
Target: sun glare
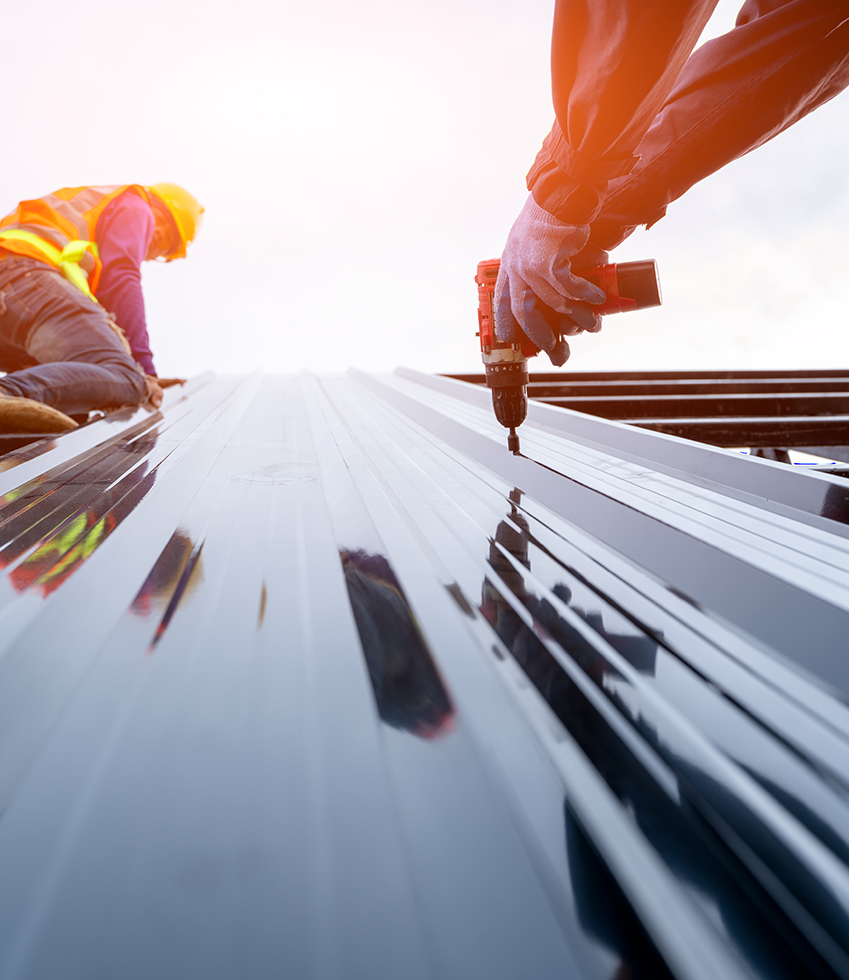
(302, 107)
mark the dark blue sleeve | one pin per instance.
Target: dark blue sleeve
(123, 236)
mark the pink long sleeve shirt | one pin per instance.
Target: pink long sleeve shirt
(123, 235)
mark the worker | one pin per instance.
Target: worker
(73, 334)
(639, 120)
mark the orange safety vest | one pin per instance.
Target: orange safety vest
(59, 229)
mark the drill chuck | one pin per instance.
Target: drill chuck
(510, 405)
(508, 381)
(509, 385)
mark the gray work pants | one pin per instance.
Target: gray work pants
(57, 344)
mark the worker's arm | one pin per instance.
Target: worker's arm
(783, 59)
(123, 235)
(613, 62)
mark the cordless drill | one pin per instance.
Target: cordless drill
(628, 285)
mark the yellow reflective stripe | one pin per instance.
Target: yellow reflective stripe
(67, 260)
(50, 250)
(69, 263)
(74, 274)
(76, 249)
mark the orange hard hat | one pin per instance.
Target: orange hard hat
(186, 211)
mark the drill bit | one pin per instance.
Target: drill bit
(513, 441)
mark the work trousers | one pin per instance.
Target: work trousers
(57, 344)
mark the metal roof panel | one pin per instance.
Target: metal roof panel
(310, 676)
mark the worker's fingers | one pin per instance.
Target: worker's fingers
(539, 322)
(580, 318)
(545, 327)
(170, 382)
(521, 315)
(573, 286)
(558, 287)
(536, 323)
(559, 354)
(540, 255)
(589, 257)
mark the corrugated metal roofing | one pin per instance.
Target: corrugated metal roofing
(310, 677)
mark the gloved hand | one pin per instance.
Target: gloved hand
(537, 296)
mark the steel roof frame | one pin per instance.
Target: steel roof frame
(761, 409)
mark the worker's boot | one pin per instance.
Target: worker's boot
(30, 416)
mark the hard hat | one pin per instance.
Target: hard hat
(185, 210)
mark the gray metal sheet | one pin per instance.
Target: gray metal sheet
(310, 677)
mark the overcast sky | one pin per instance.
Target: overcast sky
(358, 159)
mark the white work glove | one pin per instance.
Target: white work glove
(537, 296)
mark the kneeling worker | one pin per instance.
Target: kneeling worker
(69, 278)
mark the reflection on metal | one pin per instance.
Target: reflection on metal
(310, 677)
(407, 687)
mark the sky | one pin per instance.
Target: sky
(357, 160)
